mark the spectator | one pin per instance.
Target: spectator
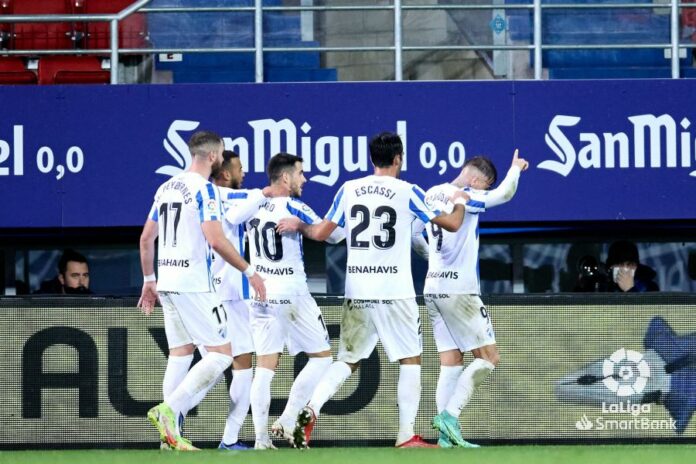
(626, 274)
(72, 278)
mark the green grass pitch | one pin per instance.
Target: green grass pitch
(614, 454)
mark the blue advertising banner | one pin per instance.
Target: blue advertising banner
(91, 156)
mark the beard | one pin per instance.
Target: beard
(81, 290)
(215, 169)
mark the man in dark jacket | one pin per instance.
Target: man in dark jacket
(626, 274)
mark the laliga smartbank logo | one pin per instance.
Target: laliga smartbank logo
(626, 374)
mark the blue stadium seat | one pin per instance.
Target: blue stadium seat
(595, 26)
(191, 30)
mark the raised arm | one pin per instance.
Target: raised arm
(212, 230)
(507, 188)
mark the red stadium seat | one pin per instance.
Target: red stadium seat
(5, 28)
(72, 70)
(14, 71)
(35, 36)
(132, 31)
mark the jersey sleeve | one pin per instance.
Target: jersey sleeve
(154, 214)
(241, 205)
(499, 195)
(418, 206)
(477, 201)
(208, 203)
(338, 235)
(336, 213)
(302, 211)
(419, 242)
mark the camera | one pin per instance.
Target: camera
(591, 275)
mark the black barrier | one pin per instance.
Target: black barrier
(581, 368)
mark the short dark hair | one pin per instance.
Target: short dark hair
(69, 255)
(280, 163)
(485, 166)
(227, 157)
(203, 142)
(622, 251)
(384, 147)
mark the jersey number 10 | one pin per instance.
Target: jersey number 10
(272, 245)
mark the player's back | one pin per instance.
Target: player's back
(184, 257)
(379, 211)
(453, 256)
(279, 258)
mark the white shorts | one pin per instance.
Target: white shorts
(395, 322)
(197, 318)
(292, 321)
(459, 322)
(239, 327)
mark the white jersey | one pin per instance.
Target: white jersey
(377, 213)
(453, 266)
(279, 258)
(184, 257)
(237, 206)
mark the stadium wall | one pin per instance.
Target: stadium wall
(82, 372)
(93, 156)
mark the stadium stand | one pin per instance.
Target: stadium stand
(72, 70)
(5, 29)
(185, 30)
(37, 36)
(132, 31)
(63, 69)
(13, 70)
(600, 26)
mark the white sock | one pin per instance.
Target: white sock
(202, 394)
(473, 376)
(408, 398)
(240, 392)
(261, 401)
(198, 397)
(329, 385)
(304, 386)
(199, 378)
(446, 384)
(177, 368)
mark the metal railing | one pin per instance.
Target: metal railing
(113, 20)
(398, 47)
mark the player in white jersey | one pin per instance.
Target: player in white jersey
(233, 290)
(289, 317)
(459, 318)
(377, 212)
(186, 216)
